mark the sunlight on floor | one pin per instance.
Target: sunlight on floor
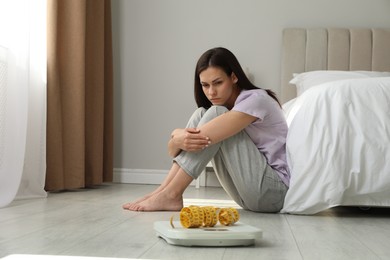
(56, 257)
(211, 202)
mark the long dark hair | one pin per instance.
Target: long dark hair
(224, 59)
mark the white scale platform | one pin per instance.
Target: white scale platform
(238, 234)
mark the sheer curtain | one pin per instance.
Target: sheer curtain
(22, 99)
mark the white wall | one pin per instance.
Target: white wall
(157, 43)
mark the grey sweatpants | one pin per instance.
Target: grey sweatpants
(241, 169)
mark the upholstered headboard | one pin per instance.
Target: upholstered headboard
(332, 49)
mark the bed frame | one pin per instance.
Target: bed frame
(332, 49)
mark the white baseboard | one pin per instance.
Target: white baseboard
(139, 176)
(149, 176)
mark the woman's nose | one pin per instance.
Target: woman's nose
(212, 91)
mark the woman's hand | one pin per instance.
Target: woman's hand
(190, 139)
(187, 139)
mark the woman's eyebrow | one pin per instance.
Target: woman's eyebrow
(217, 79)
(213, 81)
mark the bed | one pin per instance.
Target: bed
(336, 97)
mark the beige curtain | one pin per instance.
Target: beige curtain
(79, 94)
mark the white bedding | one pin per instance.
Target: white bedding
(338, 146)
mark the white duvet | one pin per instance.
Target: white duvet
(338, 146)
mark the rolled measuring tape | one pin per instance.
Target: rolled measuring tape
(228, 216)
(206, 216)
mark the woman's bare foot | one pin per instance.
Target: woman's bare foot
(161, 201)
(132, 204)
(168, 196)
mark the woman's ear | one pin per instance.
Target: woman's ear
(234, 78)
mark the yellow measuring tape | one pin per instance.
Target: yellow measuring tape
(206, 216)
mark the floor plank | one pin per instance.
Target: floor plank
(91, 222)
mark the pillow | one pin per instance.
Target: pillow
(306, 80)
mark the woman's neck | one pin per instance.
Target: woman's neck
(233, 98)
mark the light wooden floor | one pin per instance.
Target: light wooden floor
(92, 223)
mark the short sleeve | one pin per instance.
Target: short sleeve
(253, 102)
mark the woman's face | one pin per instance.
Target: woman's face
(219, 87)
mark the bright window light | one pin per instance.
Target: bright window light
(23, 30)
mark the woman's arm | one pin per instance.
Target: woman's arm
(218, 129)
(226, 125)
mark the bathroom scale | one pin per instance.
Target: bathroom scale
(238, 234)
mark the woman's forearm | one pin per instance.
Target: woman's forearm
(226, 125)
(218, 129)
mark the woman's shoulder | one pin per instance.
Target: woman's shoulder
(259, 94)
(257, 99)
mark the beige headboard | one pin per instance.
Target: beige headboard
(332, 49)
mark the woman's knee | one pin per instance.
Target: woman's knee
(213, 112)
(217, 110)
(196, 117)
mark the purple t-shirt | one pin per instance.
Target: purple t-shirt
(269, 131)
